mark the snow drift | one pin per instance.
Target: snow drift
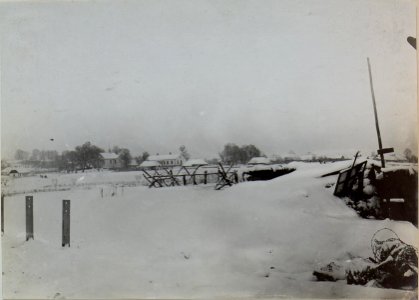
(255, 239)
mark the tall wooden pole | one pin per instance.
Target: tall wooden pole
(380, 145)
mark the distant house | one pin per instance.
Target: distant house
(149, 164)
(195, 162)
(290, 156)
(308, 157)
(111, 161)
(133, 164)
(16, 171)
(167, 160)
(259, 161)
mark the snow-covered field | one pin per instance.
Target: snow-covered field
(64, 181)
(255, 239)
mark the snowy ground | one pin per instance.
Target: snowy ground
(255, 239)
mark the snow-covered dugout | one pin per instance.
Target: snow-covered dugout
(195, 162)
(391, 157)
(111, 161)
(394, 157)
(16, 171)
(259, 161)
(167, 160)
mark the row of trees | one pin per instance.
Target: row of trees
(83, 157)
(233, 154)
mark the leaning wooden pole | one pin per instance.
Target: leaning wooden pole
(377, 127)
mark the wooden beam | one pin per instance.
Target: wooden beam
(385, 150)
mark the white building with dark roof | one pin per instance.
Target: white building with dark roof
(195, 162)
(259, 161)
(111, 161)
(149, 164)
(167, 160)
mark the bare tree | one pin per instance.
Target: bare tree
(184, 153)
(88, 156)
(21, 154)
(125, 157)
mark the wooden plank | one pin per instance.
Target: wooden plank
(347, 178)
(29, 218)
(66, 223)
(224, 179)
(412, 41)
(159, 178)
(385, 150)
(356, 156)
(150, 179)
(171, 176)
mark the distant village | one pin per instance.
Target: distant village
(89, 156)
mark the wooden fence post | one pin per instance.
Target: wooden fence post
(205, 177)
(66, 223)
(2, 213)
(29, 217)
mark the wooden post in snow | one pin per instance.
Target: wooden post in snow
(66, 223)
(380, 145)
(205, 176)
(29, 218)
(2, 213)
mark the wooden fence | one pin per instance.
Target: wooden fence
(164, 177)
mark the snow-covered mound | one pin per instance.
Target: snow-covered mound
(255, 239)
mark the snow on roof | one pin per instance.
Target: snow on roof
(163, 157)
(195, 162)
(395, 157)
(259, 161)
(290, 154)
(20, 170)
(411, 169)
(149, 163)
(107, 155)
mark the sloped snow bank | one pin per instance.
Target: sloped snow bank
(255, 239)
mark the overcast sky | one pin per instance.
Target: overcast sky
(154, 75)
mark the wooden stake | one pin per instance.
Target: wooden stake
(2, 213)
(66, 223)
(29, 217)
(380, 145)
